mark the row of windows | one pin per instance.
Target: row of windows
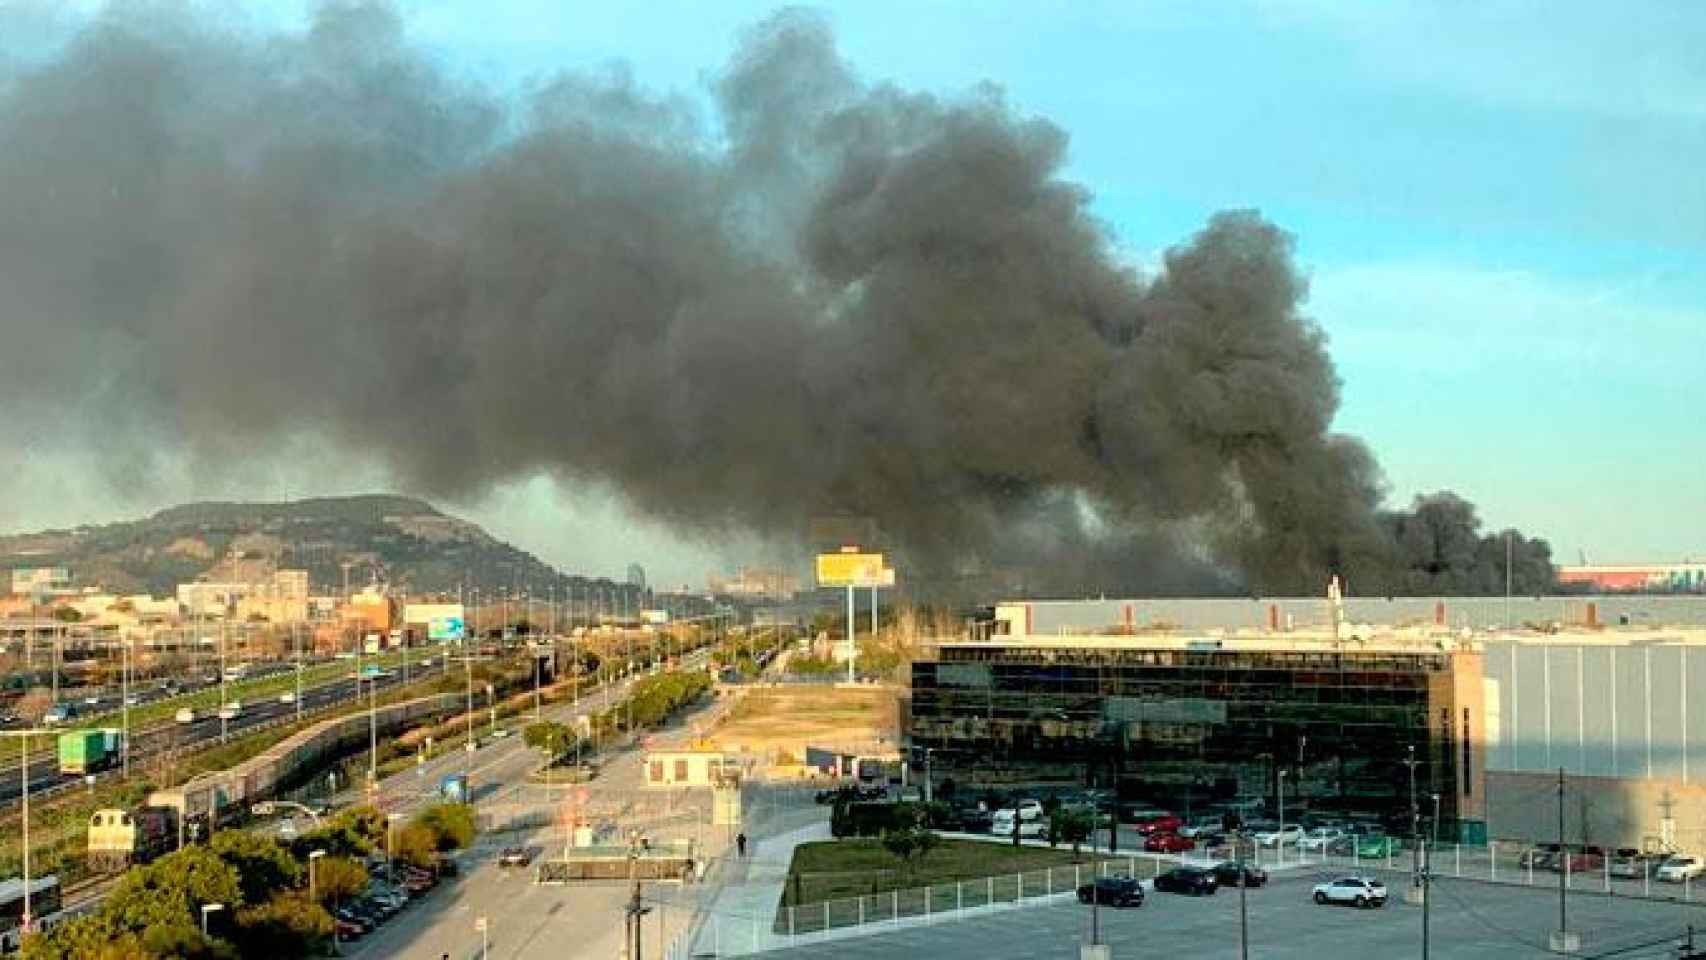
(1224, 659)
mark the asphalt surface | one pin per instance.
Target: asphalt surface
(145, 743)
(1470, 920)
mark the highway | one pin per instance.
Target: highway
(146, 743)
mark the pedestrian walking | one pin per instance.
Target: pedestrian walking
(740, 844)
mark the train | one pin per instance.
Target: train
(119, 838)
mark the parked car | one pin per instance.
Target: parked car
(1286, 836)
(1200, 827)
(1539, 858)
(1579, 863)
(1319, 839)
(1001, 825)
(1113, 892)
(348, 929)
(1191, 880)
(1357, 891)
(1375, 846)
(1232, 873)
(1158, 823)
(515, 857)
(1631, 865)
(1168, 843)
(1678, 868)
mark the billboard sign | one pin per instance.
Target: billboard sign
(371, 643)
(445, 628)
(849, 569)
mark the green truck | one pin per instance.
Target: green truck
(86, 751)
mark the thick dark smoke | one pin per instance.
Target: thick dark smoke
(826, 296)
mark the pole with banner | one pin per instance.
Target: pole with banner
(852, 569)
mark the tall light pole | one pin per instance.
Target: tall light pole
(1415, 819)
(296, 635)
(124, 700)
(1279, 792)
(24, 779)
(1427, 878)
(313, 855)
(224, 723)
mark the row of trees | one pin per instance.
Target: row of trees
(267, 908)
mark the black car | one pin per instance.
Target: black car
(1232, 873)
(1189, 880)
(1113, 892)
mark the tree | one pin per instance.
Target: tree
(451, 824)
(287, 925)
(366, 822)
(550, 738)
(415, 844)
(263, 865)
(338, 878)
(1072, 825)
(170, 891)
(909, 845)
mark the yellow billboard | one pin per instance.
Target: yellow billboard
(849, 569)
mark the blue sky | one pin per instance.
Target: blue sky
(1500, 205)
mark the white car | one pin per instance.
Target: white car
(1030, 810)
(1286, 836)
(185, 715)
(1678, 869)
(231, 711)
(1001, 825)
(1319, 839)
(1197, 828)
(287, 697)
(1360, 891)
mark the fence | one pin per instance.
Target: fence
(727, 934)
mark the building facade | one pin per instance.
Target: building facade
(1310, 721)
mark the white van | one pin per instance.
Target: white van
(1001, 825)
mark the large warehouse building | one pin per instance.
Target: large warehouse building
(1331, 716)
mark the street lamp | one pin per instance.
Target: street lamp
(206, 910)
(24, 774)
(390, 853)
(313, 892)
(1279, 838)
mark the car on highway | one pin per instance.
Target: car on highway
(1232, 873)
(1319, 839)
(1356, 891)
(92, 701)
(1120, 891)
(59, 713)
(1286, 836)
(1168, 843)
(231, 710)
(287, 697)
(501, 733)
(184, 715)
(132, 700)
(1191, 880)
(515, 857)
(1678, 868)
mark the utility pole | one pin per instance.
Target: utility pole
(1415, 820)
(1562, 940)
(1509, 555)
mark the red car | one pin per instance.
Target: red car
(1168, 843)
(1161, 823)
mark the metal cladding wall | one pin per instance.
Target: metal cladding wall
(1635, 711)
(1057, 617)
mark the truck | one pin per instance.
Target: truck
(86, 751)
(454, 788)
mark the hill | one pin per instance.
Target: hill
(402, 541)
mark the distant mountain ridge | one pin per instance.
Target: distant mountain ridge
(403, 541)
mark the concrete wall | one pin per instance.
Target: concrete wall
(1608, 811)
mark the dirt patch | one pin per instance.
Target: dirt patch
(780, 722)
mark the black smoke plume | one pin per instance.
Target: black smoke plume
(822, 296)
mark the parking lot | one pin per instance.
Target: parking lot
(1470, 919)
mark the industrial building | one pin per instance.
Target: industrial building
(1335, 716)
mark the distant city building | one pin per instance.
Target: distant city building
(1658, 577)
(754, 582)
(41, 580)
(281, 597)
(636, 576)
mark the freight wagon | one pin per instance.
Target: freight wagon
(223, 794)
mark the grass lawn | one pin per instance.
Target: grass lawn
(836, 869)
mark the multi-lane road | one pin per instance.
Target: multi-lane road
(169, 735)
